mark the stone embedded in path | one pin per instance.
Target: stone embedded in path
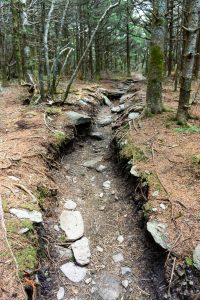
(77, 118)
(107, 185)
(74, 273)
(60, 293)
(196, 257)
(101, 168)
(92, 163)
(109, 287)
(69, 204)
(134, 171)
(81, 250)
(159, 233)
(120, 239)
(126, 270)
(118, 257)
(125, 283)
(118, 109)
(106, 100)
(96, 135)
(34, 216)
(133, 115)
(107, 120)
(72, 223)
(63, 253)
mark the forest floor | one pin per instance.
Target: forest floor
(36, 177)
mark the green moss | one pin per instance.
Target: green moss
(12, 225)
(189, 261)
(152, 181)
(60, 137)
(53, 110)
(41, 194)
(26, 258)
(29, 206)
(5, 254)
(147, 207)
(5, 205)
(156, 64)
(188, 129)
(196, 159)
(129, 151)
(27, 224)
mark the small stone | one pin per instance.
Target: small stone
(101, 168)
(116, 198)
(23, 230)
(118, 109)
(34, 216)
(107, 185)
(125, 283)
(159, 233)
(154, 209)
(96, 135)
(60, 293)
(107, 101)
(13, 178)
(72, 223)
(64, 253)
(109, 287)
(120, 239)
(99, 249)
(134, 172)
(101, 195)
(81, 251)
(101, 208)
(105, 121)
(74, 273)
(196, 257)
(163, 206)
(77, 118)
(91, 164)
(88, 280)
(56, 227)
(69, 204)
(133, 115)
(113, 193)
(118, 257)
(155, 194)
(93, 289)
(126, 270)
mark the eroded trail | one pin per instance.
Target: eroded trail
(123, 265)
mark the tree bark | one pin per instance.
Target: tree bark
(190, 28)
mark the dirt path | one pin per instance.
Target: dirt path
(112, 225)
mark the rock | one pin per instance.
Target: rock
(133, 115)
(106, 185)
(109, 287)
(159, 233)
(72, 223)
(69, 204)
(34, 216)
(81, 250)
(23, 230)
(91, 164)
(14, 178)
(60, 293)
(155, 194)
(101, 168)
(196, 257)
(107, 120)
(120, 239)
(82, 102)
(74, 273)
(97, 135)
(64, 253)
(118, 257)
(102, 208)
(127, 97)
(163, 206)
(126, 270)
(118, 109)
(134, 172)
(56, 227)
(77, 118)
(88, 280)
(106, 100)
(99, 249)
(125, 283)
(101, 195)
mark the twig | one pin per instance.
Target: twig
(45, 122)
(172, 275)
(22, 187)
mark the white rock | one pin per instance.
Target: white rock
(14, 178)
(107, 185)
(88, 280)
(99, 249)
(118, 257)
(126, 270)
(120, 239)
(72, 223)
(125, 283)
(101, 168)
(101, 195)
(105, 121)
(56, 227)
(118, 109)
(81, 250)
(101, 208)
(133, 115)
(155, 194)
(106, 100)
(163, 206)
(134, 172)
(109, 287)
(69, 204)
(64, 253)
(60, 293)
(23, 230)
(34, 216)
(74, 273)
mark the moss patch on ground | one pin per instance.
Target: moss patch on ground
(26, 258)
(129, 151)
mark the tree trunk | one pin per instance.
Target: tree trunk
(156, 59)
(190, 28)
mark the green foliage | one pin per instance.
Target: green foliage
(53, 110)
(26, 258)
(189, 261)
(188, 129)
(152, 181)
(5, 205)
(27, 224)
(129, 151)
(60, 137)
(41, 194)
(196, 159)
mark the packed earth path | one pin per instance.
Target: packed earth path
(114, 259)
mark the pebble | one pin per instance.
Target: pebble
(109, 287)
(72, 223)
(81, 250)
(34, 216)
(23, 230)
(99, 249)
(163, 206)
(120, 239)
(74, 273)
(126, 270)
(118, 257)
(102, 208)
(88, 280)
(101, 168)
(101, 195)
(56, 227)
(69, 204)
(60, 293)
(107, 185)
(125, 283)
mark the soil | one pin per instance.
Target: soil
(29, 147)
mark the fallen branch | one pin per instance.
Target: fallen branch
(22, 187)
